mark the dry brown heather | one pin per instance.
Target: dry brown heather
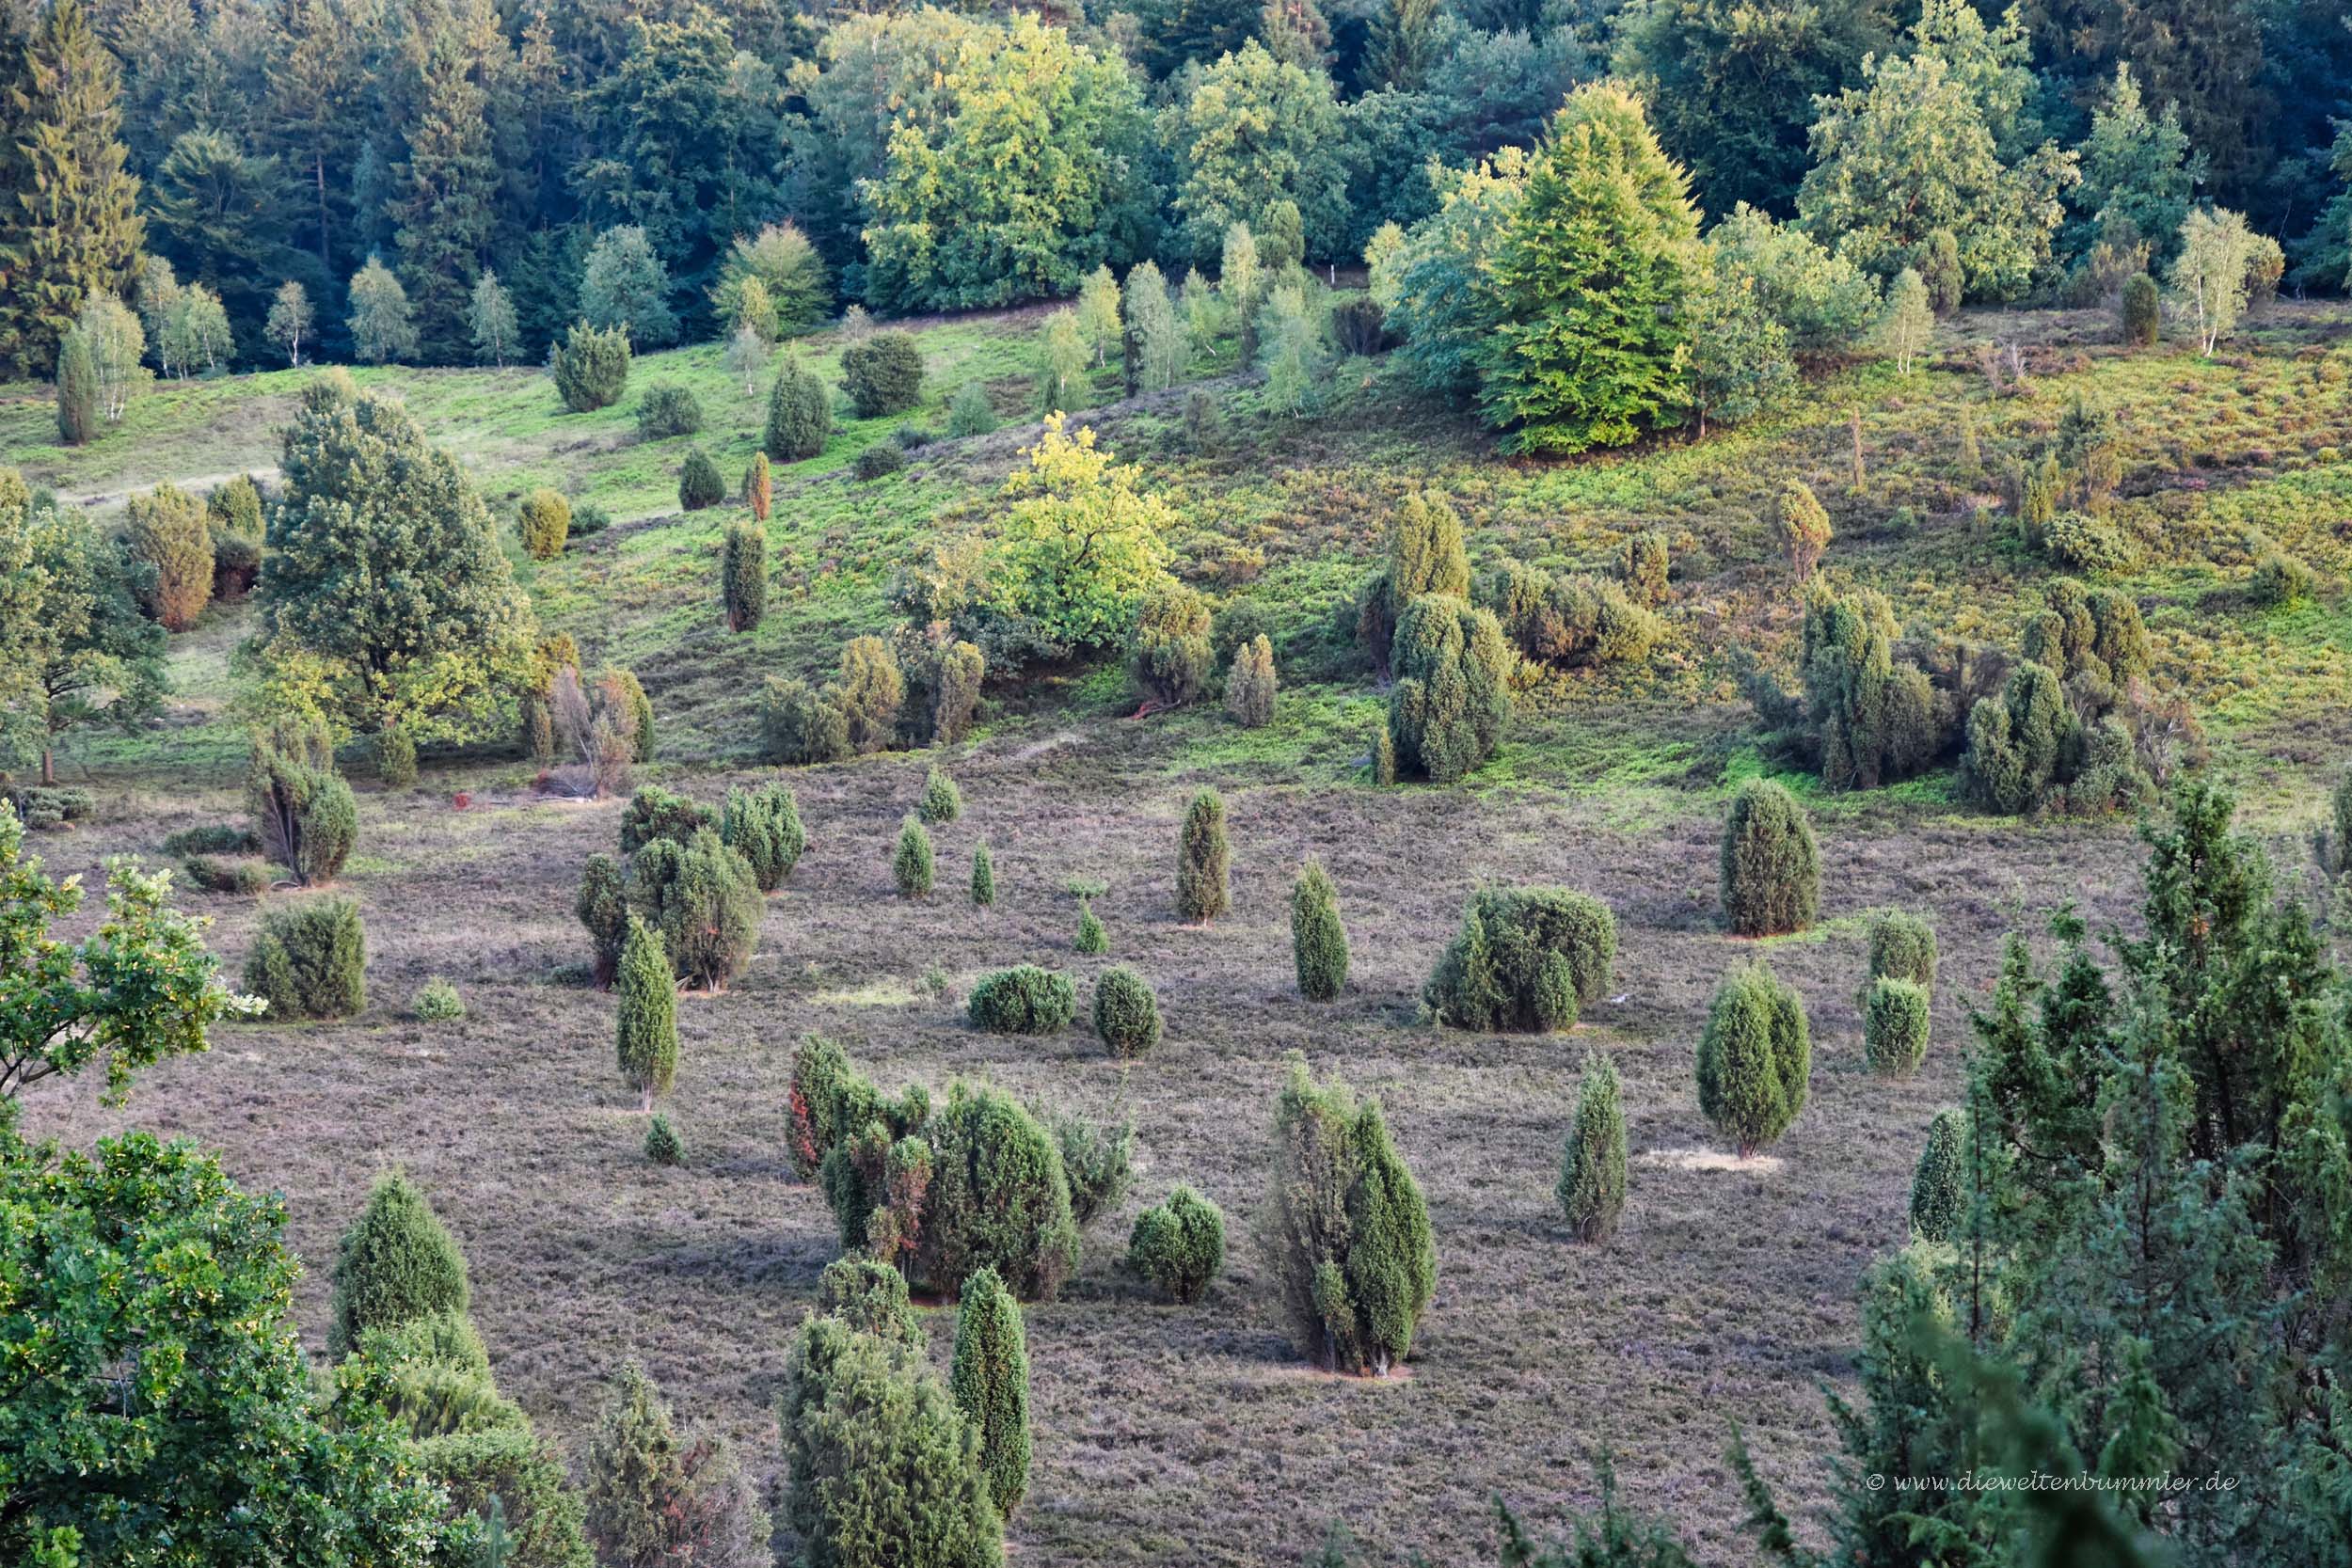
(1164, 1434)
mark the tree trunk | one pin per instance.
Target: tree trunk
(48, 767)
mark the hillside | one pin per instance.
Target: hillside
(1191, 1434)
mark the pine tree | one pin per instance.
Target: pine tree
(983, 875)
(397, 1265)
(1318, 939)
(1755, 1059)
(991, 1384)
(1591, 1166)
(645, 1036)
(1202, 856)
(1772, 869)
(70, 226)
(743, 575)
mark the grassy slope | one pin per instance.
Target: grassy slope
(1188, 1435)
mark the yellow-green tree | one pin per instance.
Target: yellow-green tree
(1079, 544)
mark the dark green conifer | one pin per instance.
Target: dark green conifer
(645, 1036)
(991, 1384)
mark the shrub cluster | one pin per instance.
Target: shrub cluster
(1168, 656)
(1573, 621)
(701, 898)
(1023, 1000)
(1868, 715)
(1938, 1189)
(1894, 1026)
(1201, 860)
(665, 411)
(763, 825)
(883, 374)
(309, 959)
(591, 367)
(800, 415)
(1345, 1229)
(1755, 1059)
(1425, 556)
(1178, 1246)
(1250, 684)
(910, 860)
(1772, 868)
(1126, 1014)
(1452, 697)
(941, 801)
(655, 812)
(699, 483)
(1525, 959)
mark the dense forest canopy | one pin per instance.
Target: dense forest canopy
(941, 159)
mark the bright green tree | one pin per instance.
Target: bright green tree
(382, 323)
(490, 321)
(1158, 352)
(1250, 131)
(82, 651)
(1920, 148)
(1079, 543)
(1588, 345)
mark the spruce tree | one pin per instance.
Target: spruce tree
(70, 226)
(1591, 1166)
(743, 575)
(646, 1032)
(910, 861)
(1318, 940)
(1772, 869)
(991, 1384)
(983, 875)
(445, 199)
(1202, 856)
(397, 1265)
(1939, 1195)
(1755, 1059)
